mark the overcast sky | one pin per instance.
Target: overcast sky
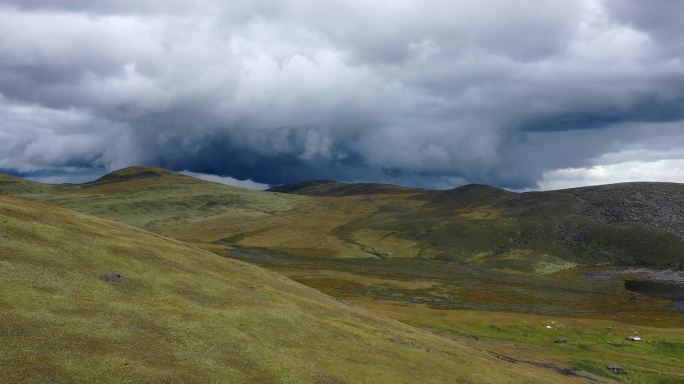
(520, 94)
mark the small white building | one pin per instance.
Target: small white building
(634, 338)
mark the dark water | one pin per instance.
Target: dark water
(678, 305)
(659, 289)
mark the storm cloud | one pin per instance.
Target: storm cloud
(516, 93)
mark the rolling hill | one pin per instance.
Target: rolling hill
(151, 197)
(637, 224)
(88, 300)
(480, 265)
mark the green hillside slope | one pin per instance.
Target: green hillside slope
(479, 264)
(638, 224)
(151, 197)
(625, 224)
(178, 314)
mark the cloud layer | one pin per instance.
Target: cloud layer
(432, 94)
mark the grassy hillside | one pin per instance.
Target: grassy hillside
(181, 314)
(628, 224)
(446, 261)
(152, 197)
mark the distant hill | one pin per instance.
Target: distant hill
(134, 173)
(628, 223)
(11, 185)
(621, 224)
(334, 188)
(657, 204)
(151, 197)
(467, 195)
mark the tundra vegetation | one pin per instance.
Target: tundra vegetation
(471, 284)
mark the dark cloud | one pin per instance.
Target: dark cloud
(660, 18)
(429, 94)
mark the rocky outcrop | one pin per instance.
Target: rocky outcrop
(654, 204)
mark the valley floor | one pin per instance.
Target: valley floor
(565, 323)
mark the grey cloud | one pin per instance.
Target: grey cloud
(410, 92)
(662, 18)
(104, 6)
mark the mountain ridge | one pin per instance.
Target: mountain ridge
(145, 172)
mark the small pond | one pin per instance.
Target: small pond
(663, 290)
